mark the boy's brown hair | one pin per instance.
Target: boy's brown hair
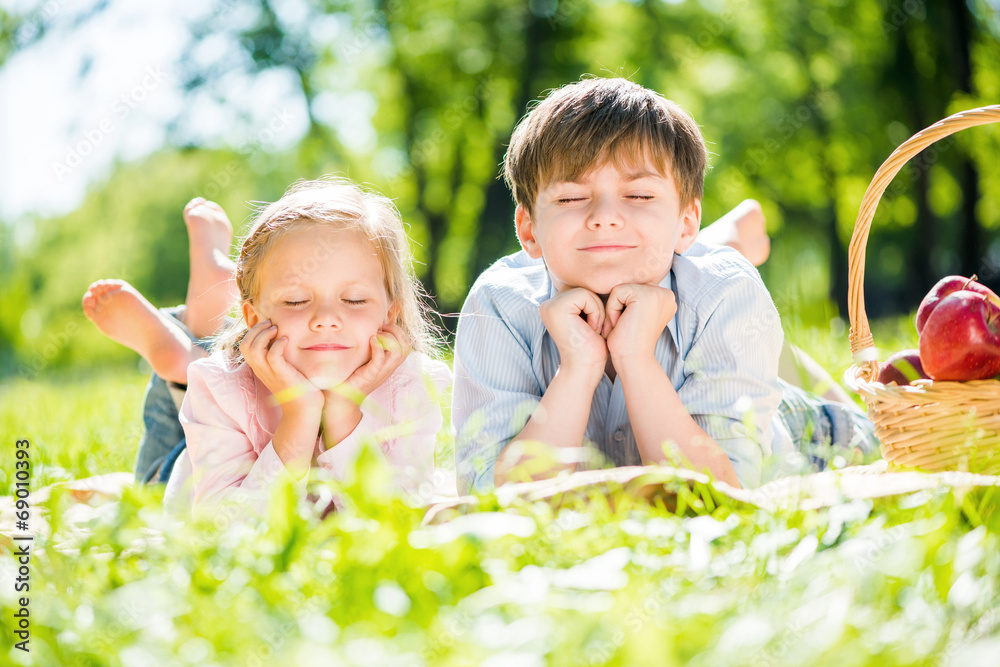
(584, 124)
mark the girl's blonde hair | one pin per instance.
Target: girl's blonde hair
(341, 204)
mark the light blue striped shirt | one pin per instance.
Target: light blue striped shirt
(720, 351)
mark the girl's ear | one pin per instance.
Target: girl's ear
(250, 315)
(526, 232)
(690, 222)
(393, 315)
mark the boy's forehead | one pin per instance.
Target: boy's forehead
(630, 168)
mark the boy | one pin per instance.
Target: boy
(613, 326)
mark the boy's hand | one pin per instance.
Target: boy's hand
(637, 315)
(266, 357)
(581, 346)
(389, 349)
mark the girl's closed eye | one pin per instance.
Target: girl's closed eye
(292, 303)
(356, 302)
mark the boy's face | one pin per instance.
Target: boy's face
(610, 227)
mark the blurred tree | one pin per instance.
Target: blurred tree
(132, 229)
(804, 99)
(800, 103)
(446, 81)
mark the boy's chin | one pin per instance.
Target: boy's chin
(601, 283)
(601, 288)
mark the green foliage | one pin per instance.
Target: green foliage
(903, 580)
(77, 425)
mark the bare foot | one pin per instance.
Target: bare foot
(743, 229)
(125, 316)
(212, 283)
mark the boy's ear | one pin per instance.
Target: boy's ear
(690, 223)
(526, 232)
(250, 315)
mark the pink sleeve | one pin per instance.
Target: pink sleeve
(404, 418)
(340, 457)
(225, 465)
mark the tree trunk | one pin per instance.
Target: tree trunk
(920, 272)
(971, 236)
(496, 225)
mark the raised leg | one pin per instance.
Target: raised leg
(212, 284)
(125, 316)
(743, 229)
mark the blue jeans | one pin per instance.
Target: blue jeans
(822, 429)
(163, 438)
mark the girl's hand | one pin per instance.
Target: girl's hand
(389, 349)
(291, 389)
(342, 410)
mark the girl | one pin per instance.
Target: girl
(332, 349)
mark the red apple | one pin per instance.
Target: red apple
(961, 338)
(944, 287)
(902, 368)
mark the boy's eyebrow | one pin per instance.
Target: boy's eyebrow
(642, 173)
(627, 175)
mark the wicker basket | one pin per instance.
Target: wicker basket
(931, 425)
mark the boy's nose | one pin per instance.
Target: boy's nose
(604, 213)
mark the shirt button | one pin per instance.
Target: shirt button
(619, 435)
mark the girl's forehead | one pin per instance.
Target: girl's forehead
(319, 241)
(322, 253)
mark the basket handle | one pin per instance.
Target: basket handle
(861, 336)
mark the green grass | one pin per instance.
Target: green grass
(78, 425)
(910, 580)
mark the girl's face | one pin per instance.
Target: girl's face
(323, 288)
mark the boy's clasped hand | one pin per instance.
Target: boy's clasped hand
(625, 326)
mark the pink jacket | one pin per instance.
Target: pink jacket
(229, 423)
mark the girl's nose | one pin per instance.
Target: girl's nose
(326, 316)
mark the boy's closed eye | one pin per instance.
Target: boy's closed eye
(569, 195)
(577, 198)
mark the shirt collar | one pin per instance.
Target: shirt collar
(669, 283)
